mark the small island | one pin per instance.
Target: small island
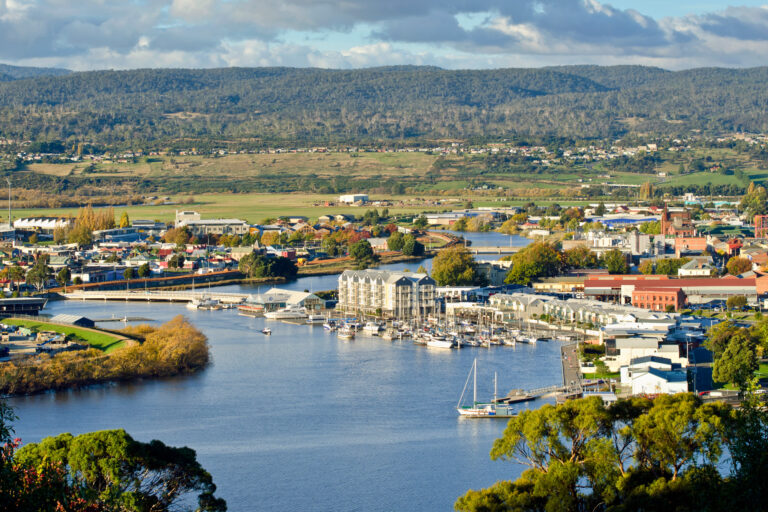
(88, 356)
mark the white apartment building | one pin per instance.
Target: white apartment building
(400, 295)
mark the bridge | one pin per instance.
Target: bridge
(155, 296)
(486, 249)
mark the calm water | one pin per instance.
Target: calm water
(303, 421)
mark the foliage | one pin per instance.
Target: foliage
(40, 272)
(395, 241)
(663, 266)
(362, 253)
(455, 266)
(125, 221)
(174, 348)
(580, 257)
(539, 259)
(411, 246)
(635, 455)
(738, 265)
(143, 270)
(736, 302)
(755, 201)
(615, 262)
(651, 227)
(113, 469)
(258, 265)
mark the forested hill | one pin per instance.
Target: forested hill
(8, 72)
(314, 105)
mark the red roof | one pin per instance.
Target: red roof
(669, 283)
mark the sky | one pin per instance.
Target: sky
(452, 34)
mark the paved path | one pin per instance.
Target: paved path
(571, 366)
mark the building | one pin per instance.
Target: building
(43, 224)
(353, 198)
(277, 298)
(560, 284)
(700, 290)
(149, 227)
(657, 298)
(200, 227)
(77, 320)
(761, 226)
(391, 294)
(654, 375)
(677, 223)
(697, 267)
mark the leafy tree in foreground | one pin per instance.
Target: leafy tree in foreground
(635, 455)
(539, 259)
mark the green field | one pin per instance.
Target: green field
(100, 340)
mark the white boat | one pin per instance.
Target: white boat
(371, 328)
(204, 303)
(289, 313)
(266, 330)
(250, 310)
(481, 409)
(330, 325)
(346, 333)
(315, 319)
(439, 343)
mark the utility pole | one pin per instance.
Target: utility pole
(10, 221)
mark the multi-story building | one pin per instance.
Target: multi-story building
(400, 295)
(202, 227)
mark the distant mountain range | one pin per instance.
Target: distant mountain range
(157, 106)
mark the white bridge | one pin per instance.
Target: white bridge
(155, 296)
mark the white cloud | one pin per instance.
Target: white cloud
(91, 34)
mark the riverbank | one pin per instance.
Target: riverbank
(175, 348)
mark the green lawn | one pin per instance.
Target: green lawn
(100, 340)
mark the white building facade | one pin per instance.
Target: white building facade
(398, 295)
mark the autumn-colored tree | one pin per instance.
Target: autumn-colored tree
(738, 265)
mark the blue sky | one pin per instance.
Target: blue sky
(98, 34)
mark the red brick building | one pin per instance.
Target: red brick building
(677, 223)
(658, 298)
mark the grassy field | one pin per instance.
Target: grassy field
(100, 340)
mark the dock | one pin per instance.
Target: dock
(487, 249)
(155, 296)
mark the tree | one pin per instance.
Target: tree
(580, 257)
(646, 267)
(111, 467)
(176, 261)
(395, 241)
(421, 222)
(670, 266)
(128, 273)
(454, 266)
(257, 265)
(411, 246)
(736, 302)
(637, 454)
(539, 259)
(615, 262)
(144, 270)
(461, 224)
(738, 362)
(38, 275)
(124, 220)
(63, 276)
(600, 210)
(33, 238)
(738, 265)
(422, 270)
(362, 253)
(651, 227)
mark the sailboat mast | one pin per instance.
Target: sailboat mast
(474, 387)
(495, 377)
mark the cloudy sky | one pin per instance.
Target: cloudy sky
(98, 34)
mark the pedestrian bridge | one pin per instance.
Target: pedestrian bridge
(155, 296)
(487, 249)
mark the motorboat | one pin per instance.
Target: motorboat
(266, 330)
(288, 313)
(204, 303)
(346, 333)
(330, 325)
(371, 328)
(315, 319)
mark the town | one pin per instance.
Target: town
(636, 287)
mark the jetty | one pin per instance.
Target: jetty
(488, 249)
(155, 296)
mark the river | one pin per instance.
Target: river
(301, 420)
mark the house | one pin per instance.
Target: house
(697, 267)
(656, 382)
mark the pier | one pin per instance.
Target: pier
(155, 296)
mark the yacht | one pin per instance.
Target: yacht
(204, 303)
(330, 325)
(315, 319)
(439, 342)
(289, 313)
(477, 409)
(346, 333)
(371, 328)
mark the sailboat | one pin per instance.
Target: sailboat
(482, 409)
